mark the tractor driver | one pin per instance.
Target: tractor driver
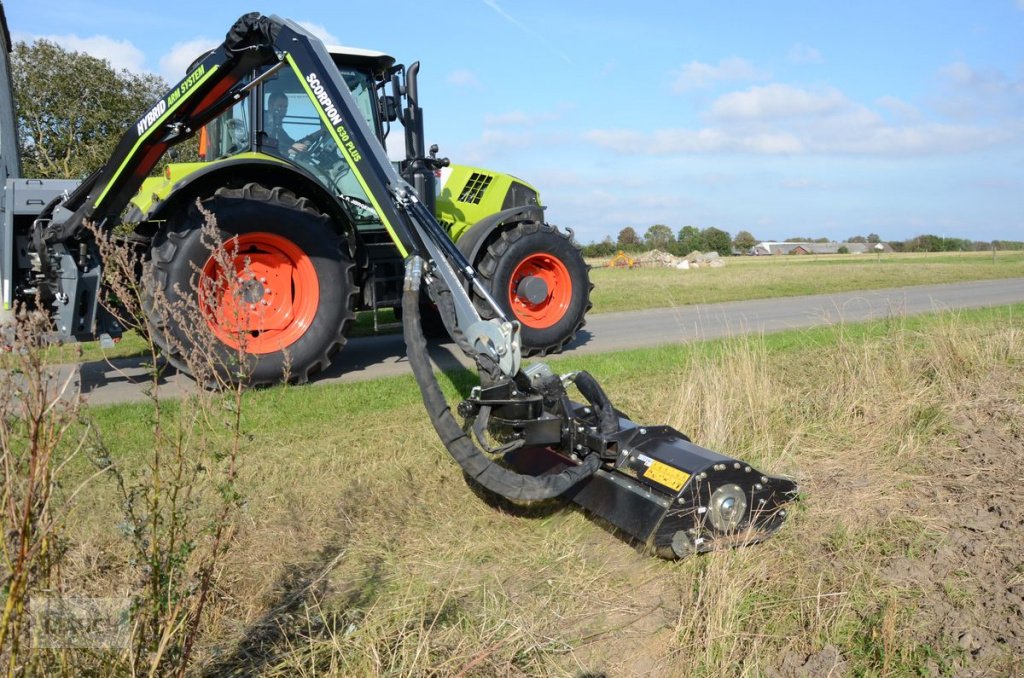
(277, 109)
(276, 136)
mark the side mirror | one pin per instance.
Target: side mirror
(389, 108)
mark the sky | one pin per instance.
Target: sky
(784, 118)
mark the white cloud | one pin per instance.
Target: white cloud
(900, 110)
(121, 54)
(493, 143)
(879, 140)
(805, 54)
(175, 63)
(319, 31)
(696, 74)
(707, 140)
(971, 93)
(777, 101)
(463, 78)
(785, 120)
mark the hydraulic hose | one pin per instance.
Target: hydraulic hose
(474, 462)
(595, 395)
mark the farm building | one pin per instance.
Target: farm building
(769, 247)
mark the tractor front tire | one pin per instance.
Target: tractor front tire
(272, 305)
(537, 275)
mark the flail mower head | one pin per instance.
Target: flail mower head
(534, 443)
(675, 497)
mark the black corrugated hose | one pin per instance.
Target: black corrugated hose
(595, 395)
(474, 462)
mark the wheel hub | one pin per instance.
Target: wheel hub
(267, 298)
(252, 292)
(728, 507)
(540, 290)
(533, 289)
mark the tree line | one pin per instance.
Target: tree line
(661, 237)
(713, 239)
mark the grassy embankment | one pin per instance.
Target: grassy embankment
(742, 278)
(363, 552)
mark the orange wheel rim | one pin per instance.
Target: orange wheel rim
(545, 312)
(269, 299)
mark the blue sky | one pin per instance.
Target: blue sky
(780, 118)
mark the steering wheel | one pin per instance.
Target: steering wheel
(323, 156)
(237, 134)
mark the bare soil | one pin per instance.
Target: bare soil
(969, 585)
(974, 581)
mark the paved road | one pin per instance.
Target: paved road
(384, 355)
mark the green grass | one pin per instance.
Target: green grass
(283, 406)
(133, 345)
(742, 278)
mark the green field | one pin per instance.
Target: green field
(360, 550)
(621, 289)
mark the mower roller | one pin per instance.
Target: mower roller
(521, 436)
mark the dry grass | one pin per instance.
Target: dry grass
(361, 551)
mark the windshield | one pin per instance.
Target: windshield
(287, 125)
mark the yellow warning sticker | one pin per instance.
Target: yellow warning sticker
(663, 474)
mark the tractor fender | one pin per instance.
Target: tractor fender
(479, 234)
(237, 172)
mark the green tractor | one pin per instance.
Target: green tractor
(268, 148)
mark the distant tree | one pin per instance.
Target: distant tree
(690, 240)
(715, 239)
(799, 239)
(873, 238)
(744, 241)
(628, 237)
(821, 240)
(605, 248)
(923, 243)
(73, 108)
(659, 237)
(843, 249)
(857, 238)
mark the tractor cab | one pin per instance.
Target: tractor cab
(281, 110)
(280, 120)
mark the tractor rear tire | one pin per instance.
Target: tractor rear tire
(551, 316)
(289, 315)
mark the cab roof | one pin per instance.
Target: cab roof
(361, 58)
